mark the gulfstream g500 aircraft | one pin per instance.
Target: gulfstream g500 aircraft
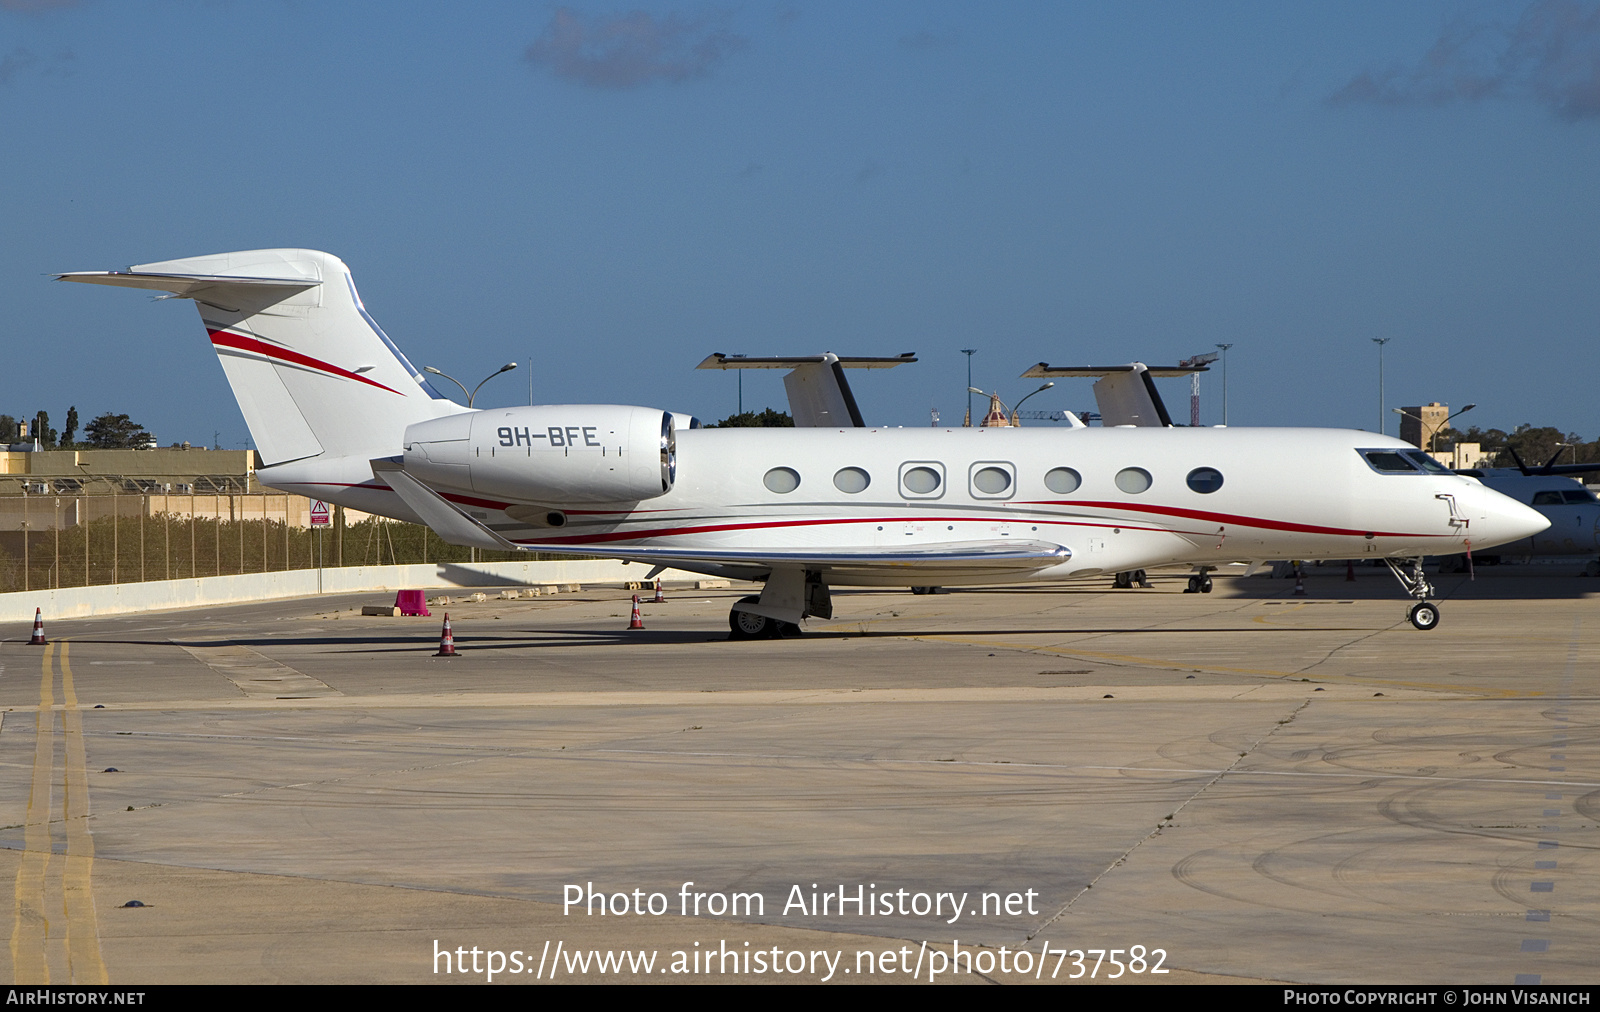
(338, 413)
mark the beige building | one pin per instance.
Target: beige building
(1462, 456)
(57, 489)
(1418, 425)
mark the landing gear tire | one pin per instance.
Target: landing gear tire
(1122, 581)
(747, 625)
(1199, 585)
(1424, 615)
(1205, 584)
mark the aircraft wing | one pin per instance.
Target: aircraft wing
(998, 555)
(819, 395)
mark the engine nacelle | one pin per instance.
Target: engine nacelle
(548, 453)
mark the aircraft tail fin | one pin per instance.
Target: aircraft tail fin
(314, 374)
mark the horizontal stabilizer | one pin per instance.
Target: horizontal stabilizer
(1044, 371)
(1125, 393)
(819, 395)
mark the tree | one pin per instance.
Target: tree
(43, 432)
(71, 431)
(8, 429)
(767, 419)
(113, 432)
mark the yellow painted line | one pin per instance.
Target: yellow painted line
(30, 925)
(83, 935)
(1157, 662)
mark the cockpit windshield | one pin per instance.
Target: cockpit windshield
(1402, 462)
(1426, 462)
(1389, 462)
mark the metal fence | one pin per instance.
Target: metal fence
(49, 541)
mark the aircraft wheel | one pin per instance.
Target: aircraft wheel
(1424, 615)
(1205, 584)
(747, 625)
(920, 590)
(1194, 585)
(1122, 581)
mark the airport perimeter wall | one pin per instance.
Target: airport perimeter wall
(154, 595)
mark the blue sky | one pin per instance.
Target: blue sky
(617, 191)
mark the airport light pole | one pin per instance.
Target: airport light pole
(1380, 342)
(1016, 420)
(1225, 348)
(474, 393)
(969, 352)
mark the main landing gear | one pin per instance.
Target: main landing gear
(789, 596)
(1126, 581)
(747, 625)
(1423, 615)
(1200, 583)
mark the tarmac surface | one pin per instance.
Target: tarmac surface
(1258, 786)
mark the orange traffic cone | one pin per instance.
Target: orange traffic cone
(660, 597)
(447, 641)
(38, 629)
(635, 622)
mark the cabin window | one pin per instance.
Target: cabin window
(851, 480)
(781, 480)
(921, 480)
(992, 480)
(1062, 480)
(1205, 480)
(1575, 496)
(1133, 480)
(1549, 498)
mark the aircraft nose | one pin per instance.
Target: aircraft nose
(1501, 519)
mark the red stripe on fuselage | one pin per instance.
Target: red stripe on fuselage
(1227, 518)
(250, 344)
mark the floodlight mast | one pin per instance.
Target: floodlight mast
(1197, 363)
(1225, 348)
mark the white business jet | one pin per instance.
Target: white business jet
(338, 413)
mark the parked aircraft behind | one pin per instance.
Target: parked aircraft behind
(338, 413)
(1572, 510)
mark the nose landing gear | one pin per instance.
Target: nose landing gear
(1423, 615)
